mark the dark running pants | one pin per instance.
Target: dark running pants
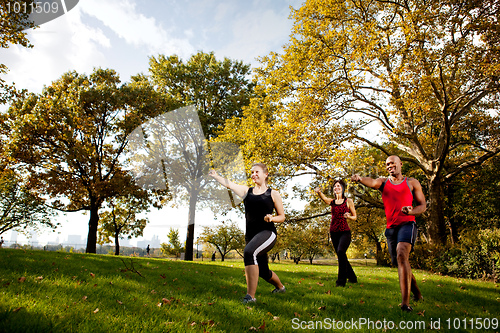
(341, 241)
(256, 252)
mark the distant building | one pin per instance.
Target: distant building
(75, 240)
(13, 236)
(143, 243)
(125, 242)
(33, 238)
(155, 242)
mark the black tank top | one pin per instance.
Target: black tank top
(257, 206)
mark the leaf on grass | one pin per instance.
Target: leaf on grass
(421, 313)
(329, 292)
(96, 310)
(211, 303)
(21, 279)
(158, 305)
(174, 280)
(263, 326)
(40, 278)
(153, 291)
(92, 274)
(320, 284)
(119, 302)
(193, 323)
(18, 309)
(361, 301)
(84, 298)
(165, 301)
(276, 318)
(296, 314)
(322, 307)
(209, 323)
(252, 329)
(163, 276)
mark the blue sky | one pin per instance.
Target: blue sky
(123, 34)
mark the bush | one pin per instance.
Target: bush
(476, 256)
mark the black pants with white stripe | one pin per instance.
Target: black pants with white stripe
(256, 252)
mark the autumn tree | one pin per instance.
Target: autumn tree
(370, 227)
(20, 210)
(218, 90)
(120, 219)
(224, 237)
(71, 138)
(173, 247)
(425, 71)
(12, 32)
(472, 198)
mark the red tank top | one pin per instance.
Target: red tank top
(339, 222)
(394, 198)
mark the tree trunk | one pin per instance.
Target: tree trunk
(117, 244)
(379, 254)
(436, 225)
(190, 230)
(93, 224)
(452, 224)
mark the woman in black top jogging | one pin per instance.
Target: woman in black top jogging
(260, 236)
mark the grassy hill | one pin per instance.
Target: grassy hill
(70, 292)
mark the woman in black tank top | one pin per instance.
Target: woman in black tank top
(260, 235)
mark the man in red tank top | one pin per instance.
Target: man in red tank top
(398, 194)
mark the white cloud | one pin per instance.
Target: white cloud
(60, 45)
(124, 19)
(255, 32)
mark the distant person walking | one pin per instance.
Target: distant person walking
(340, 232)
(1, 242)
(398, 194)
(260, 236)
(147, 250)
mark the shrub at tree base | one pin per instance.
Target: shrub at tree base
(477, 256)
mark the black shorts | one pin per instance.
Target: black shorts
(403, 233)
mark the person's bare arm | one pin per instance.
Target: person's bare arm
(240, 190)
(278, 205)
(352, 210)
(323, 197)
(418, 197)
(367, 181)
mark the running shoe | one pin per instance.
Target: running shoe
(248, 299)
(406, 308)
(278, 290)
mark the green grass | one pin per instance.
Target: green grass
(70, 292)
